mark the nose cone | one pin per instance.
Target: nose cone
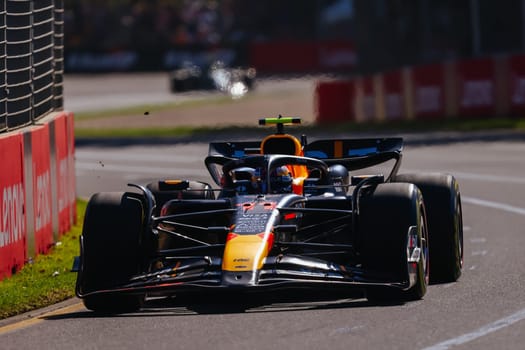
(240, 278)
(244, 257)
(245, 253)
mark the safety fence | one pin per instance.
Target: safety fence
(473, 88)
(31, 60)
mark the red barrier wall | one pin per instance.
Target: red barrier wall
(37, 189)
(71, 176)
(364, 99)
(393, 92)
(62, 171)
(428, 91)
(486, 87)
(41, 189)
(517, 84)
(332, 99)
(13, 233)
(476, 88)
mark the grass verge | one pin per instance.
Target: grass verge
(47, 279)
(456, 124)
(152, 108)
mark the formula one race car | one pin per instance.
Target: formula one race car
(217, 76)
(284, 214)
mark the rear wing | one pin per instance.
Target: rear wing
(357, 153)
(321, 149)
(239, 149)
(351, 153)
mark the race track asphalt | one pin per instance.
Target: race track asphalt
(485, 309)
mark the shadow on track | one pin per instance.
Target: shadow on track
(235, 304)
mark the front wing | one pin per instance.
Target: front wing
(278, 273)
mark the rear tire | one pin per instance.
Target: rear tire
(111, 250)
(385, 218)
(445, 223)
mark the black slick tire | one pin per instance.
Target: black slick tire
(111, 251)
(387, 214)
(445, 224)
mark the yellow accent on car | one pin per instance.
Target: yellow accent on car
(173, 182)
(280, 120)
(245, 253)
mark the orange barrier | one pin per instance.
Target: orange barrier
(38, 195)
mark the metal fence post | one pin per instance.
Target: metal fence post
(3, 69)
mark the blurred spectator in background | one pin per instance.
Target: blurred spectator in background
(385, 33)
(138, 24)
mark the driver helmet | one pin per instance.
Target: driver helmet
(281, 180)
(339, 176)
(245, 180)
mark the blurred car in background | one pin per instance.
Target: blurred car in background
(216, 76)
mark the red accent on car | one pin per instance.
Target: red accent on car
(231, 236)
(289, 216)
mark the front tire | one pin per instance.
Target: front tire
(391, 224)
(445, 223)
(111, 251)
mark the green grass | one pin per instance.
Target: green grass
(447, 124)
(135, 133)
(150, 109)
(47, 280)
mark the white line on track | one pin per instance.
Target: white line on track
(493, 205)
(496, 325)
(490, 178)
(479, 252)
(480, 332)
